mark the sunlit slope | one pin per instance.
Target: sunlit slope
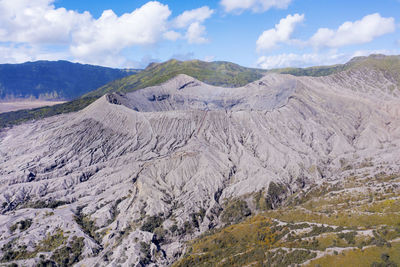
(215, 73)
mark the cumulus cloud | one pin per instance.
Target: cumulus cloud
(191, 20)
(27, 21)
(190, 16)
(281, 33)
(349, 33)
(172, 35)
(358, 32)
(254, 5)
(195, 34)
(91, 40)
(111, 34)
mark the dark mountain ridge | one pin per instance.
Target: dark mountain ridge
(54, 80)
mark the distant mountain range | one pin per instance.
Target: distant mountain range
(216, 73)
(54, 80)
(224, 74)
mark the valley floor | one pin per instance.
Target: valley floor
(19, 105)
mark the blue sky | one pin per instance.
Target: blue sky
(254, 33)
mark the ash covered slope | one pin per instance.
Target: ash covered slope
(133, 176)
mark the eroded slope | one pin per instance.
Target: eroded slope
(132, 177)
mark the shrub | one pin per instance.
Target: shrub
(159, 235)
(52, 242)
(283, 258)
(68, 255)
(349, 237)
(386, 262)
(275, 195)
(87, 225)
(45, 204)
(318, 230)
(21, 225)
(46, 263)
(173, 228)
(152, 223)
(145, 258)
(235, 211)
(198, 217)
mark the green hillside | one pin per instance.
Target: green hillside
(215, 73)
(312, 71)
(16, 117)
(390, 65)
(345, 227)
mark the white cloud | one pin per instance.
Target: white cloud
(16, 54)
(191, 16)
(358, 32)
(22, 53)
(281, 33)
(299, 60)
(28, 23)
(195, 34)
(315, 59)
(172, 35)
(191, 20)
(111, 34)
(255, 5)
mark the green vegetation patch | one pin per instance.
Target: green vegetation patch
(329, 218)
(70, 254)
(50, 243)
(361, 257)
(9, 119)
(281, 257)
(345, 218)
(234, 245)
(214, 73)
(44, 204)
(313, 71)
(235, 211)
(21, 225)
(152, 223)
(88, 226)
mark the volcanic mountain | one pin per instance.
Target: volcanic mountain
(127, 180)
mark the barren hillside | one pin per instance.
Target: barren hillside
(130, 178)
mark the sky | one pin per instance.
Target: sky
(254, 33)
